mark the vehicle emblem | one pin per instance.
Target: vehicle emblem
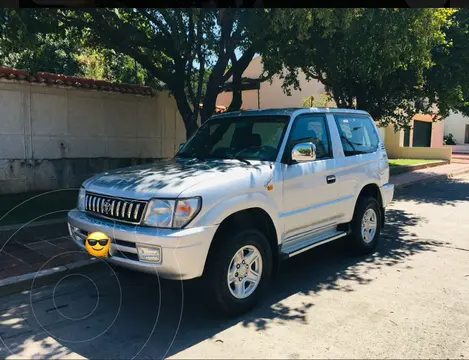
(107, 207)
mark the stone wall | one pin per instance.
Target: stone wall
(54, 137)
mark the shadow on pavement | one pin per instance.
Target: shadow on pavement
(454, 190)
(143, 324)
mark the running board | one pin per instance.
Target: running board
(301, 246)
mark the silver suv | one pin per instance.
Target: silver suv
(247, 190)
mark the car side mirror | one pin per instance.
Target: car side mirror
(303, 152)
(181, 146)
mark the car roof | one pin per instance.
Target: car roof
(289, 112)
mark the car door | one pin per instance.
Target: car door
(360, 160)
(309, 188)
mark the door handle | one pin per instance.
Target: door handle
(330, 179)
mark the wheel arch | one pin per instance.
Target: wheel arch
(372, 190)
(253, 217)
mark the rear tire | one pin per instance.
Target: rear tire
(230, 274)
(365, 226)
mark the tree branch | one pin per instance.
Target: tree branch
(135, 36)
(113, 38)
(201, 58)
(157, 22)
(242, 63)
(216, 76)
(188, 58)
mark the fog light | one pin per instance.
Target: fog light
(149, 253)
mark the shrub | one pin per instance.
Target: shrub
(448, 140)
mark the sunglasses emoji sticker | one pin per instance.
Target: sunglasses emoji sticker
(98, 244)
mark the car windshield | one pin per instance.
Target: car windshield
(245, 138)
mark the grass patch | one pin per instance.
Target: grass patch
(34, 204)
(409, 162)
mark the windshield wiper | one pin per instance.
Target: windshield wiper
(192, 155)
(235, 157)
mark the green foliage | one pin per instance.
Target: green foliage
(104, 64)
(448, 80)
(391, 62)
(323, 100)
(47, 54)
(374, 59)
(62, 53)
(449, 140)
(190, 52)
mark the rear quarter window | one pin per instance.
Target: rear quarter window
(357, 133)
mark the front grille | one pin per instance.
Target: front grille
(118, 209)
(125, 243)
(126, 255)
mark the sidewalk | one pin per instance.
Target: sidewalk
(48, 246)
(437, 173)
(23, 257)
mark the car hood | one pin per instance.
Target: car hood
(164, 178)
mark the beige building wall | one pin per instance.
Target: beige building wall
(272, 95)
(428, 153)
(44, 127)
(395, 143)
(456, 124)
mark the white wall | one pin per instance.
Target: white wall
(42, 123)
(456, 124)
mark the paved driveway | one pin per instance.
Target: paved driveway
(408, 300)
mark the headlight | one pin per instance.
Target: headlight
(171, 213)
(185, 211)
(81, 199)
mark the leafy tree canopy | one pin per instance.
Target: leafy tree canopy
(191, 52)
(447, 82)
(51, 52)
(391, 62)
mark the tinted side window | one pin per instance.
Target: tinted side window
(357, 133)
(314, 129)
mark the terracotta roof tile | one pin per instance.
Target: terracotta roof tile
(57, 79)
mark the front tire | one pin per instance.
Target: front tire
(365, 226)
(238, 271)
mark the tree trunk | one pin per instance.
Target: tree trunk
(337, 98)
(191, 128)
(237, 100)
(239, 66)
(186, 112)
(215, 79)
(210, 101)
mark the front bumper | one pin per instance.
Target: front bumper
(387, 193)
(183, 252)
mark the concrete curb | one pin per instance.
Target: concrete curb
(430, 179)
(33, 224)
(405, 169)
(40, 278)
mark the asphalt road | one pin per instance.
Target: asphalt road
(408, 300)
